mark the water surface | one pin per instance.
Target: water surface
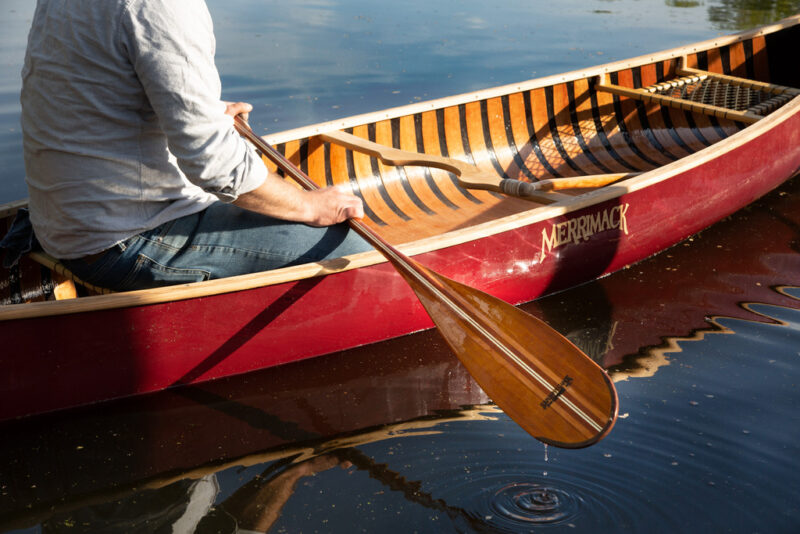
(703, 339)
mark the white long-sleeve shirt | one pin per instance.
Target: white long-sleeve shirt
(122, 120)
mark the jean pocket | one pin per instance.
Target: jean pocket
(147, 273)
(104, 271)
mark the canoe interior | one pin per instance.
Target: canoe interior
(562, 130)
(558, 130)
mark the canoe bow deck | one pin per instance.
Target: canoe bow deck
(692, 169)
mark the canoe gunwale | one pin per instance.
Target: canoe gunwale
(448, 239)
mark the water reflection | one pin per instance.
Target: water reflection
(737, 14)
(400, 435)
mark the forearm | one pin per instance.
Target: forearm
(278, 198)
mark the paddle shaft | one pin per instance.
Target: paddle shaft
(517, 359)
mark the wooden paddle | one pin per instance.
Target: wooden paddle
(538, 377)
(471, 177)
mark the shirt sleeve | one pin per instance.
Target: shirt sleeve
(171, 46)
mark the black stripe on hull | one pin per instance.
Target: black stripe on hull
(666, 116)
(487, 140)
(749, 63)
(641, 110)
(376, 172)
(354, 186)
(623, 128)
(553, 125)
(533, 140)
(446, 153)
(576, 128)
(702, 64)
(601, 134)
(427, 171)
(401, 172)
(512, 145)
(462, 118)
(326, 153)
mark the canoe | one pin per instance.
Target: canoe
(690, 135)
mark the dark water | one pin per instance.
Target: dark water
(703, 339)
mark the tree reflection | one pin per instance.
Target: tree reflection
(745, 14)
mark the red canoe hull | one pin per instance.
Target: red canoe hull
(87, 357)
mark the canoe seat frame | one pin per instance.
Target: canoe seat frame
(67, 281)
(687, 76)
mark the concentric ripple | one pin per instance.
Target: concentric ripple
(534, 503)
(519, 502)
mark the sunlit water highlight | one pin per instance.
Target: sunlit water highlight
(708, 332)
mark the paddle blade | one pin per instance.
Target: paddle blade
(537, 376)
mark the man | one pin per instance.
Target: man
(135, 174)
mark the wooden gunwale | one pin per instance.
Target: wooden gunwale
(450, 238)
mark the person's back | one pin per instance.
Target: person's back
(97, 163)
(128, 147)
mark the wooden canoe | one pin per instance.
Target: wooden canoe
(320, 405)
(683, 160)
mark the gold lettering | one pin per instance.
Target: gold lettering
(623, 221)
(583, 222)
(548, 243)
(606, 224)
(595, 225)
(572, 224)
(562, 233)
(582, 228)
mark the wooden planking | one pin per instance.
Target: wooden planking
(566, 129)
(613, 135)
(372, 190)
(562, 130)
(737, 59)
(759, 59)
(683, 145)
(586, 131)
(418, 200)
(431, 141)
(627, 117)
(519, 133)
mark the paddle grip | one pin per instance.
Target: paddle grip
(518, 188)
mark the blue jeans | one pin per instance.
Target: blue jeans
(221, 241)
